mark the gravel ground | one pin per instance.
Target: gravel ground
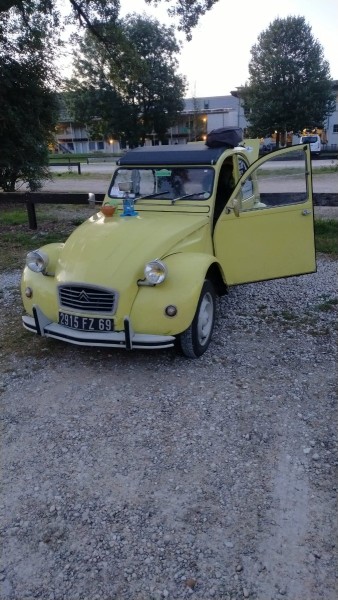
(145, 476)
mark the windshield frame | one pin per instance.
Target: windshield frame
(161, 183)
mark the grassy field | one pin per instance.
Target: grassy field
(326, 236)
(72, 175)
(83, 158)
(292, 171)
(16, 238)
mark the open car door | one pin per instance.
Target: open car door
(266, 229)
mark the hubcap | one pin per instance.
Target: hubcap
(205, 319)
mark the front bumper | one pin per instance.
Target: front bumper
(127, 339)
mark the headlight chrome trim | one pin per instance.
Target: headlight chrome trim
(155, 272)
(37, 261)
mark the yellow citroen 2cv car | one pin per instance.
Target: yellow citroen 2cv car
(178, 226)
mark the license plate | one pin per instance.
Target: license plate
(98, 324)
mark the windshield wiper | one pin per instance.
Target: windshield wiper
(152, 195)
(188, 196)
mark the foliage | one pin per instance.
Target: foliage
(29, 40)
(326, 236)
(133, 91)
(28, 111)
(86, 12)
(28, 105)
(290, 87)
(100, 109)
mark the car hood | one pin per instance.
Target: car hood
(104, 249)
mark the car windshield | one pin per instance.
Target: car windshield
(163, 183)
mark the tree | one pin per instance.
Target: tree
(100, 108)
(138, 92)
(29, 39)
(28, 105)
(153, 88)
(28, 113)
(290, 85)
(86, 11)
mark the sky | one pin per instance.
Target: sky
(216, 60)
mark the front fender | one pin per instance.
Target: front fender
(53, 252)
(43, 286)
(182, 288)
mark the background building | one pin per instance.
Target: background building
(198, 118)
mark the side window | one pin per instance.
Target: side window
(281, 181)
(247, 189)
(277, 181)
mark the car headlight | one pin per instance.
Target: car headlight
(37, 261)
(155, 272)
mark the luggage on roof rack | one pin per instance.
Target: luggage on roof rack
(227, 137)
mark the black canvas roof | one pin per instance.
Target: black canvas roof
(175, 154)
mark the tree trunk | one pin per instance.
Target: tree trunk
(277, 140)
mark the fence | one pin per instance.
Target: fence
(67, 163)
(30, 199)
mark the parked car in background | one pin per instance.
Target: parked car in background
(178, 227)
(314, 141)
(267, 147)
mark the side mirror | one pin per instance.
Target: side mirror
(125, 186)
(237, 206)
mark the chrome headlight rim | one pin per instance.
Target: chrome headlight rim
(155, 271)
(37, 261)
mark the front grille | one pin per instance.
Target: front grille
(89, 299)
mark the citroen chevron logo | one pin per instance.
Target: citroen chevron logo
(83, 296)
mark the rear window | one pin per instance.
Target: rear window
(310, 139)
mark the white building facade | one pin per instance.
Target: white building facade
(198, 118)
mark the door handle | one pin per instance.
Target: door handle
(306, 212)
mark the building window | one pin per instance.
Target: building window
(335, 128)
(100, 145)
(91, 145)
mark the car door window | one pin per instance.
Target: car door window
(279, 181)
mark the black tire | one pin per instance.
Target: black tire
(194, 341)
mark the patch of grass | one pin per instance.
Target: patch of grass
(14, 217)
(326, 236)
(325, 170)
(14, 246)
(288, 316)
(282, 172)
(328, 305)
(69, 174)
(17, 239)
(13, 211)
(11, 217)
(83, 157)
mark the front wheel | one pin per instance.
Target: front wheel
(194, 341)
